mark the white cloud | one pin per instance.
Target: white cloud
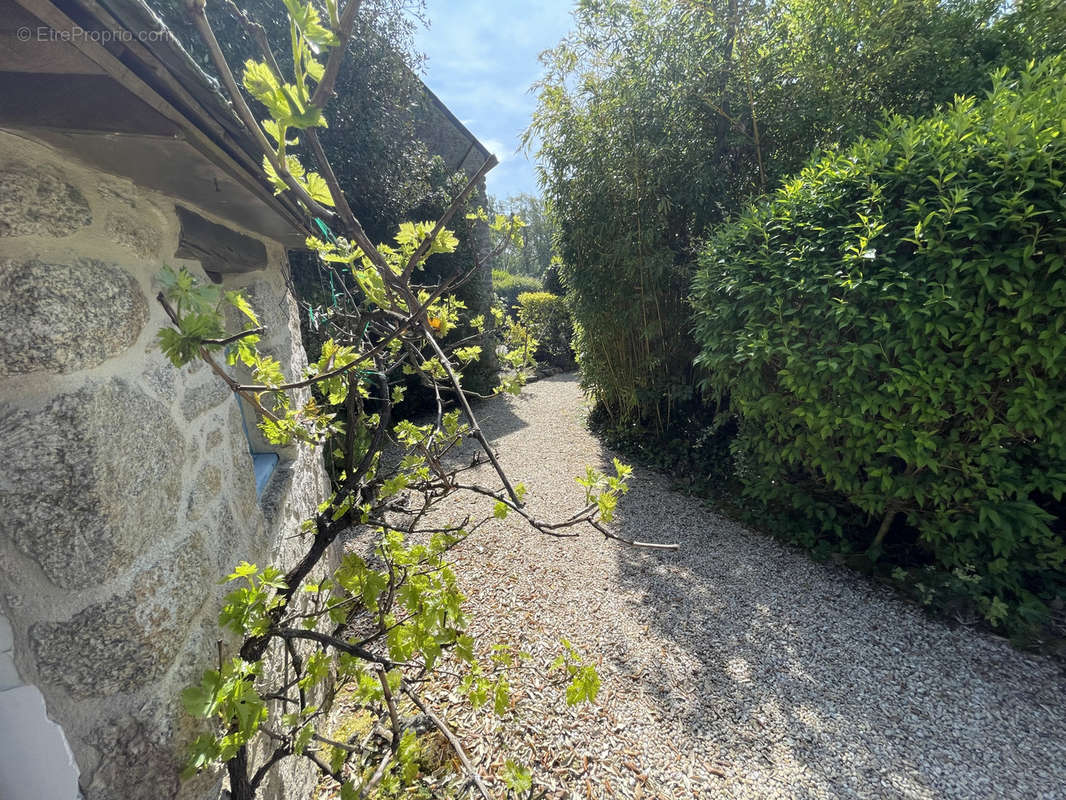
(497, 148)
(482, 57)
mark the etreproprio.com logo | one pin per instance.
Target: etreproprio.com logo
(76, 34)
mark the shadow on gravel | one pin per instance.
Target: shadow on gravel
(793, 678)
(784, 669)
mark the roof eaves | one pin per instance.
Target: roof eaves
(180, 82)
(455, 120)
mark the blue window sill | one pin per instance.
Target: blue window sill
(264, 464)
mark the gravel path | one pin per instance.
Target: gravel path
(734, 667)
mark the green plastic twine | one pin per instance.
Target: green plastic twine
(333, 239)
(325, 230)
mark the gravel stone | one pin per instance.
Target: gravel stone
(733, 667)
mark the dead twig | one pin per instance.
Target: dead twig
(452, 740)
(390, 703)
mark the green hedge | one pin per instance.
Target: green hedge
(658, 119)
(890, 330)
(547, 319)
(508, 286)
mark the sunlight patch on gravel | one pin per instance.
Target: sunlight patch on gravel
(735, 667)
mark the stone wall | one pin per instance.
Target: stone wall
(127, 489)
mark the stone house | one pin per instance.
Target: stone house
(128, 486)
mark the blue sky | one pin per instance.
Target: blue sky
(481, 58)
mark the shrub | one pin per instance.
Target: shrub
(553, 281)
(657, 119)
(508, 286)
(890, 329)
(546, 318)
(374, 627)
(532, 254)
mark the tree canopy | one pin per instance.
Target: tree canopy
(658, 119)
